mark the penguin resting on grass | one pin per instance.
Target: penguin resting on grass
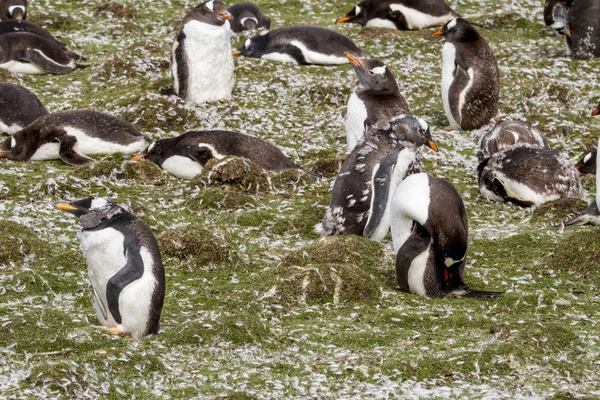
(18, 108)
(506, 134)
(124, 266)
(430, 232)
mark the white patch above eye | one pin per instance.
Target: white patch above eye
(587, 157)
(423, 124)
(11, 9)
(98, 203)
(13, 142)
(452, 24)
(243, 20)
(247, 43)
(357, 10)
(378, 70)
(210, 5)
(151, 147)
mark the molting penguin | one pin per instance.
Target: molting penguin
(583, 28)
(587, 165)
(28, 53)
(302, 44)
(71, 135)
(18, 108)
(507, 134)
(185, 156)
(362, 191)
(430, 232)
(124, 266)
(201, 59)
(13, 9)
(528, 176)
(376, 99)
(247, 16)
(591, 215)
(470, 77)
(399, 14)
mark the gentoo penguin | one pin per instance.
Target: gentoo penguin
(301, 44)
(124, 266)
(583, 26)
(185, 156)
(15, 25)
(555, 15)
(375, 100)
(507, 134)
(528, 176)
(201, 59)
(28, 53)
(399, 14)
(470, 77)
(71, 135)
(13, 9)
(247, 16)
(430, 232)
(591, 215)
(362, 191)
(18, 108)
(587, 165)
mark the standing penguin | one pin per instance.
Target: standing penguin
(507, 134)
(301, 44)
(591, 215)
(470, 77)
(247, 16)
(124, 266)
(18, 108)
(71, 136)
(362, 191)
(201, 59)
(582, 29)
(430, 235)
(375, 101)
(13, 9)
(399, 14)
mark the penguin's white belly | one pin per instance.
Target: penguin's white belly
(416, 273)
(448, 67)
(355, 121)
(182, 167)
(416, 19)
(313, 57)
(210, 62)
(279, 57)
(410, 202)
(17, 67)
(523, 192)
(381, 23)
(10, 129)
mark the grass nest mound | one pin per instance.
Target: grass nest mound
(578, 253)
(234, 171)
(194, 245)
(560, 209)
(17, 242)
(118, 166)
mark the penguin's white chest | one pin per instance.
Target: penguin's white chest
(416, 273)
(355, 121)
(182, 167)
(18, 67)
(448, 67)
(210, 62)
(418, 20)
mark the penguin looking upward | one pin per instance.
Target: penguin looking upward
(201, 60)
(399, 14)
(247, 16)
(13, 9)
(507, 134)
(362, 191)
(374, 102)
(470, 77)
(430, 235)
(300, 44)
(124, 266)
(591, 215)
(18, 108)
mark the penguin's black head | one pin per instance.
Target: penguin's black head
(458, 29)
(15, 147)
(412, 129)
(16, 9)
(212, 12)
(373, 75)
(154, 152)
(358, 15)
(255, 47)
(93, 211)
(587, 165)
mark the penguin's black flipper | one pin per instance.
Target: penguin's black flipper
(133, 270)
(381, 185)
(67, 152)
(415, 244)
(38, 58)
(459, 83)
(182, 67)
(480, 294)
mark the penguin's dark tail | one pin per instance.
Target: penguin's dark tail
(479, 294)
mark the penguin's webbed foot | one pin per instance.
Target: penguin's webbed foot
(113, 330)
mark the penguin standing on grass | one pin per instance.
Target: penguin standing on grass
(124, 266)
(430, 232)
(201, 59)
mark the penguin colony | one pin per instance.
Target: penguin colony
(380, 184)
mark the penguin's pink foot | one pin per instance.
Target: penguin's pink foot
(448, 128)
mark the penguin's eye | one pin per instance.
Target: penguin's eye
(371, 73)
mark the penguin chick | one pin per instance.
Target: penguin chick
(300, 44)
(470, 77)
(13, 9)
(185, 156)
(399, 14)
(247, 16)
(591, 215)
(362, 191)
(587, 165)
(71, 136)
(528, 175)
(124, 266)
(507, 134)
(201, 59)
(374, 102)
(430, 235)
(18, 108)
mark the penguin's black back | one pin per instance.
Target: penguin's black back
(18, 105)
(315, 38)
(584, 22)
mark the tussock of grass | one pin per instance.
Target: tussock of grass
(197, 246)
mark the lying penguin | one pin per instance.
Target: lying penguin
(507, 134)
(14, 25)
(430, 235)
(587, 165)
(591, 215)
(362, 191)
(185, 156)
(376, 99)
(28, 53)
(247, 16)
(124, 266)
(301, 44)
(13, 9)
(18, 108)
(71, 136)
(399, 14)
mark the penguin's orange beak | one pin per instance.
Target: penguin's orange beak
(225, 16)
(3, 153)
(439, 33)
(66, 207)
(577, 167)
(432, 145)
(596, 111)
(353, 59)
(343, 19)
(236, 52)
(138, 157)
(568, 32)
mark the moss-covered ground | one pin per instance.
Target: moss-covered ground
(257, 306)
